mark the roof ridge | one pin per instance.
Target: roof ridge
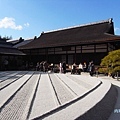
(92, 23)
(112, 34)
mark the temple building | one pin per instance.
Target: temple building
(9, 55)
(77, 44)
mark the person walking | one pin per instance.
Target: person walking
(91, 68)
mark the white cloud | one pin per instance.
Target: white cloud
(26, 24)
(117, 29)
(9, 23)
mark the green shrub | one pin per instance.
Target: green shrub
(110, 63)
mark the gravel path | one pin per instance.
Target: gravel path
(8, 76)
(2, 74)
(5, 83)
(76, 88)
(64, 93)
(6, 93)
(33, 94)
(116, 111)
(45, 99)
(79, 107)
(87, 79)
(80, 80)
(15, 108)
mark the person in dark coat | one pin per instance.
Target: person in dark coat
(37, 66)
(64, 67)
(91, 68)
(41, 66)
(45, 66)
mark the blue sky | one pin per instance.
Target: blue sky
(28, 18)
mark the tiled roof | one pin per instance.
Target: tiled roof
(90, 33)
(22, 43)
(6, 48)
(10, 51)
(3, 43)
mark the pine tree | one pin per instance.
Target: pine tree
(111, 63)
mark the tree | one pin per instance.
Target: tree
(111, 63)
(6, 37)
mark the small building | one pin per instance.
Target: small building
(10, 58)
(77, 44)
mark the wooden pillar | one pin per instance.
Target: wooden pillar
(81, 49)
(75, 55)
(66, 57)
(54, 56)
(107, 47)
(46, 53)
(95, 48)
(30, 56)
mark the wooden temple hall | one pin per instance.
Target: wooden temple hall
(75, 44)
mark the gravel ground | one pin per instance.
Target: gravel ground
(80, 81)
(6, 82)
(45, 98)
(115, 115)
(8, 76)
(50, 96)
(14, 109)
(85, 77)
(2, 74)
(9, 91)
(61, 89)
(76, 88)
(79, 106)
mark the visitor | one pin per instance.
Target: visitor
(41, 66)
(45, 66)
(6, 64)
(91, 68)
(73, 71)
(84, 67)
(37, 66)
(60, 67)
(80, 68)
(64, 67)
